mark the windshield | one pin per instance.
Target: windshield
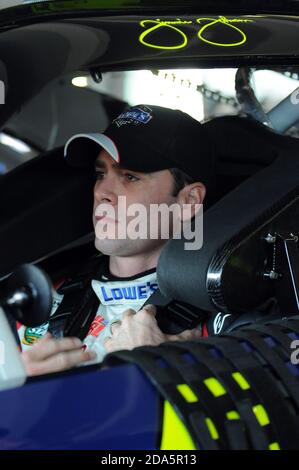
(77, 103)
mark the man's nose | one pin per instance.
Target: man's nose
(106, 190)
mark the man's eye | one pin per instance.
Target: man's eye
(99, 175)
(131, 177)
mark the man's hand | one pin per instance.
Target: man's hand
(51, 355)
(141, 329)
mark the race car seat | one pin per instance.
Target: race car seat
(250, 249)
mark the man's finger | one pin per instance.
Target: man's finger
(114, 327)
(59, 362)
(46, 337)
(152, 309)
(46, 348)
(107, 343)
(187, 335)
(190, 335)
(129, 313)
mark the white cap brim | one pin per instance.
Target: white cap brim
(104, 142)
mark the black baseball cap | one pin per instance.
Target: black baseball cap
(148, 138)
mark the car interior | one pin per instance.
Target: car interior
(251, 214)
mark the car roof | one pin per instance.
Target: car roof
(45, 41)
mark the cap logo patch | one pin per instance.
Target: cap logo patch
(135, 116)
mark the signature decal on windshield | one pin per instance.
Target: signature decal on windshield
(158, 24)
(228, 23)
(206, 24)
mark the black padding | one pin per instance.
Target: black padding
(231, 222)
(230, 385)
(243, 147)
(45, 206)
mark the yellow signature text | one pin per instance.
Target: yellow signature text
(152, 26)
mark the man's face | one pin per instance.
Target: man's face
(114, 182)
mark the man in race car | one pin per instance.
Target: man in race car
(149, 155)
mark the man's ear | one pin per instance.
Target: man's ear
(191, 195)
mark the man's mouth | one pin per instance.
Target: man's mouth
(104, 218)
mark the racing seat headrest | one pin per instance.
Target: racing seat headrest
(243, 147)
(228, 272)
